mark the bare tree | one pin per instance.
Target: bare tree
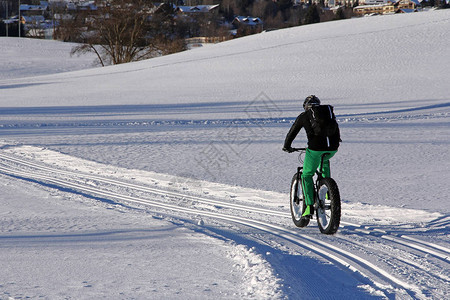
(121, 31)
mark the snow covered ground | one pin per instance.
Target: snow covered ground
(32, 57)
(165, 178)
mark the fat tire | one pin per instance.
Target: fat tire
(298, 220)
(334, 211)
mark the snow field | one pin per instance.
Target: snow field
(114, 170)
(257, 273)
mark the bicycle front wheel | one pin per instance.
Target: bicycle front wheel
(297, 203)
(328, 210)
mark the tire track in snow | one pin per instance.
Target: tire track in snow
(337, 256)
(356, 265)
(403, 239)
(390, 255)
(161, 192)
(438, 251)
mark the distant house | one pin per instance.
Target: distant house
(33, 20)
(373, 2)
(184, 9)
(246, 25)
(196, 9)
(327, 3)
(34, 9)
(81, 5)
(34, 25)
(87, 5)
(71, 6)
(378, 9)
(418, 3)
(247, 21)
(407, 4)
(400, 6)
(63, 17)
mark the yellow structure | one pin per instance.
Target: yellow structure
(386, 8)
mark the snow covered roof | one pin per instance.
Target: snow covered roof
(417, 2)
(29, 7)
(87, 5)
(198, 8)
(372, 2)
(252, 21)
(82, 5)
(33, 19)
(185, 8)
(369, 6)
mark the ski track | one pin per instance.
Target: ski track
(416, 113)
(378, 276)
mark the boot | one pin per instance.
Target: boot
(308, 211)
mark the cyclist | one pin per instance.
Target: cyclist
(317, 146)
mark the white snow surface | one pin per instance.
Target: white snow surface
(31, 57)
(164, 179)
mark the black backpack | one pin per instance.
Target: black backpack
(323, 120)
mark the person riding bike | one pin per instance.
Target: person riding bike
(317, 146)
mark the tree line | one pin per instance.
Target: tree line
(131, 30)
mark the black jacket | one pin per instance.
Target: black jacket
(317, 143)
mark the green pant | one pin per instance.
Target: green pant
(310, 165)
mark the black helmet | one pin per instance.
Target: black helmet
(310, 101)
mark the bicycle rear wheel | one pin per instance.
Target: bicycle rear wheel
(328, 211)
(297, 203)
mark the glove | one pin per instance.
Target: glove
(288, 149)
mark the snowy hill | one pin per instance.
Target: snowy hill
(32, 57)
(383, 60)
(167, 174)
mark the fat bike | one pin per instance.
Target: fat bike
(327, 201)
